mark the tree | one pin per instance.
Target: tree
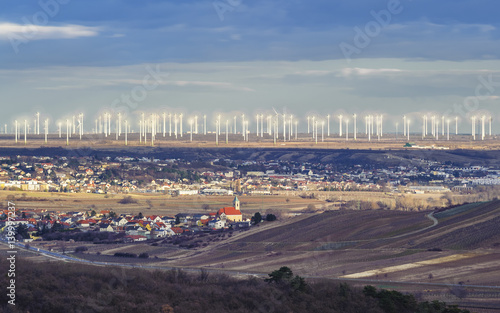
(127, 200)
(270, 217)
(22, 231)
(257, 218)
(283, 274)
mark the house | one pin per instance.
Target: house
(134, 238)
(120, 221)
(217, 224)
(105, 227)
(83, 223)
(178, 230)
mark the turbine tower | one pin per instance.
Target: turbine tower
(38, 123)
(340, 125)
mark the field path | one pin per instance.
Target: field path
(429, 216)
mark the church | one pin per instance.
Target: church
(233, 213)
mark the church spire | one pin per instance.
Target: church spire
(236, 203)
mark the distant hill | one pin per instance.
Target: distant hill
(343, 157)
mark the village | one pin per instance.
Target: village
(35, 225)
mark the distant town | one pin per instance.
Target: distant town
(178, 178)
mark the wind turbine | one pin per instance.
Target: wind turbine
(340, 125)
(284, 127)
(483, 118)
(437, 130)
(473, 119)
(191, 130)
(262, 125)
(180, 117)
(25, 130)
(170, 124)
(257, 126)
(38, 123)
(80, 124)
(328, 126)
(404, 125)
(126, 132)
(46, 126)
(315, 130)
(164, 123)
(347, 129)
(216, 132)
(205, 124)
(16, 130)
(175, 125)
(67, 132)
(355, 127)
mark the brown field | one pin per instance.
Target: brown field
(389, 249)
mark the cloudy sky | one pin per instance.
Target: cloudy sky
(62, 57)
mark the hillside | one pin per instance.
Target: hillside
(407, 246)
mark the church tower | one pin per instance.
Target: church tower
(236, 203)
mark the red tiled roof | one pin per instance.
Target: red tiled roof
(229, 211)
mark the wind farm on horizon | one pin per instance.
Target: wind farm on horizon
(169, 128)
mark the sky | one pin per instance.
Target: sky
(302, 57)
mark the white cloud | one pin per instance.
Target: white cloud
(368, 71)
(38, 32)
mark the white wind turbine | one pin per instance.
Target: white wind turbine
(67, 132)
(473, 120)
(170, 124)
(355, 127)
(38, 123)
(46, 129)
(346, 129)
(25, 130)
(16, 130)
(328, 125)
(340, 125)
(404, 125)
(483, 134)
